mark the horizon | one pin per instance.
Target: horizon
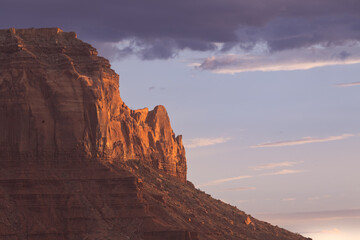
(267, 103)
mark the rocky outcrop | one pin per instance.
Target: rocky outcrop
(202, 217)
(77, 163)
(59, 99)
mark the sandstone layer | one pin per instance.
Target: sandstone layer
(77, 163)
(59, 99)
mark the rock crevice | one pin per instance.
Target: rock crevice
(58, 97)
(77, 163)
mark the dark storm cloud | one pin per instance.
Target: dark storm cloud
(161, 28)
(343, 55)
(290, 32)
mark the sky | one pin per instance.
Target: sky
(265, 94)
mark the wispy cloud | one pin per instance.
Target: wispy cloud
(202, 142)
(288, 199)
(348, 84)
(315, 216)
(265, 60)
(223, 180)
(275, 165)
(315, 198)
(240, 189)
(331, 231)
(283, 172)
(301, 141)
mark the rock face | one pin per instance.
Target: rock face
(77, 163)
(58, 99)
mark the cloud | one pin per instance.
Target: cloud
(348, 84)
(314, 216)
(223, 180)
(304, 140)
(160, 29)
(313, 198)
(288, 199)
(294, 59)
(283, 172)
(332, 231)
(275, 165)
(240, 189)
(202, 142)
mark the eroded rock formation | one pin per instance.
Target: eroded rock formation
(59, 99)
(77, 163)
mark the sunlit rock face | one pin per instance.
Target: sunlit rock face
(59, 99)
(77, 164)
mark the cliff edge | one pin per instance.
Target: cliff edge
(59, 99)
(77, 163)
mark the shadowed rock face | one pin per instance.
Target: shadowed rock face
(77, 163)
(59, 99)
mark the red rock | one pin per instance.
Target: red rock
(77, 163)
(58, 98)
(248, 220)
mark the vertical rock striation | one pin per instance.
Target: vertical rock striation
(77, 163)
(59, 99)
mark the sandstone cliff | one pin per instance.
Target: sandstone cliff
(77, 163)
(58, 99)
